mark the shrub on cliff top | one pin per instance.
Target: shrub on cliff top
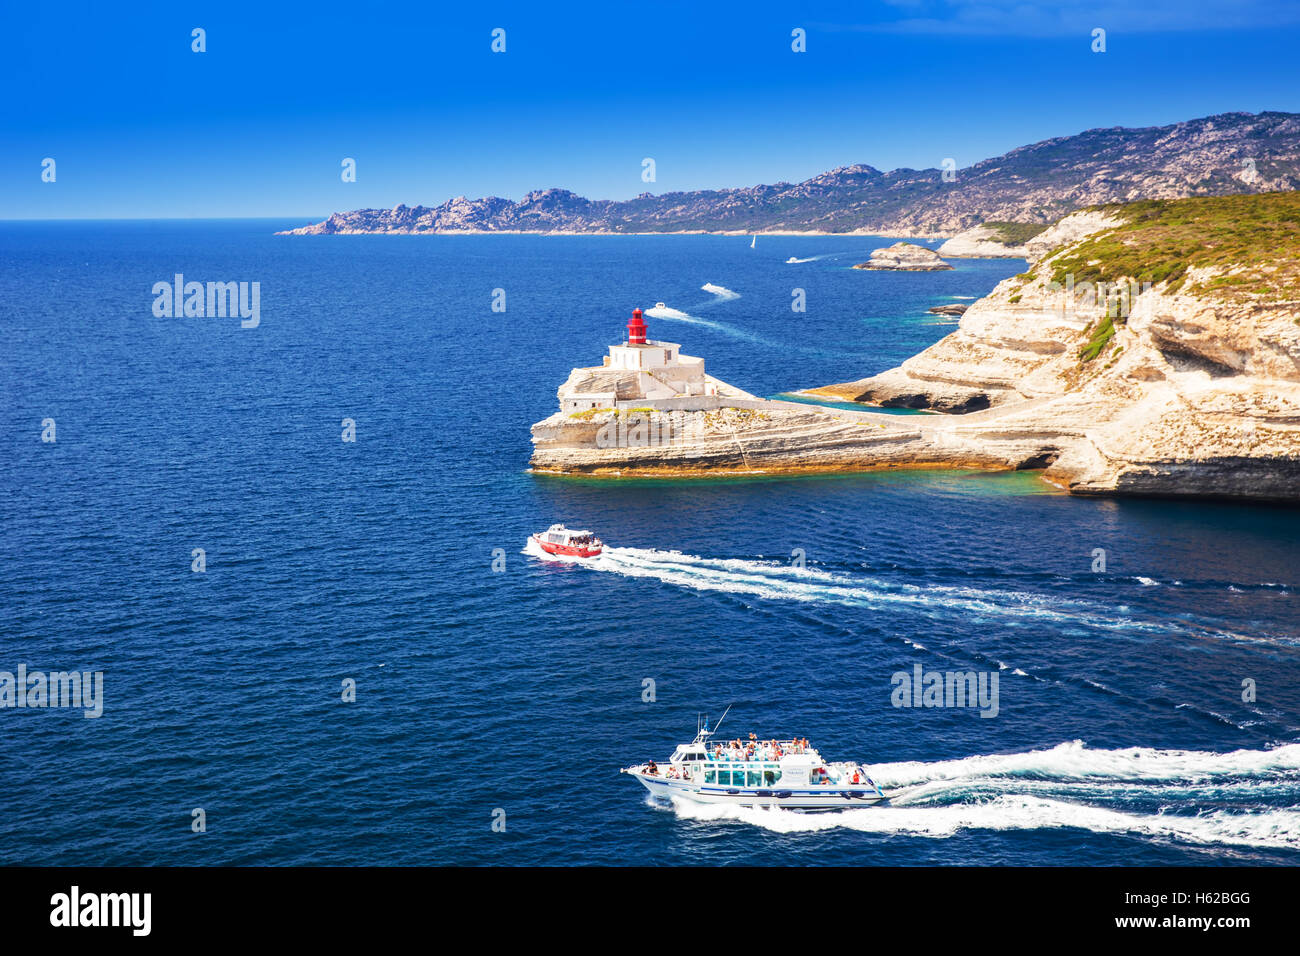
(1014, 233)
(1257, 237)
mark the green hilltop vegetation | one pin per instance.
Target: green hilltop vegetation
(1251, 242)
(1014, 233)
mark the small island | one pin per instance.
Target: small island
(905, 257)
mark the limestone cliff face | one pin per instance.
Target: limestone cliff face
(765, 438)
(979, 243)
(991, 241)
(1202, 399)
(1192, 392)
(1185, 384)
(1070, 230)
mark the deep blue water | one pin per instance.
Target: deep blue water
(1121, 737)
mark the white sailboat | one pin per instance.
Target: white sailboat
(753, 242)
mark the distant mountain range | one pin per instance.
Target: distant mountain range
(1216, 155)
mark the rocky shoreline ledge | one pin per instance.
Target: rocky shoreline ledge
(1151, 349)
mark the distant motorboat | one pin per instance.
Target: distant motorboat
(660, 305)
(793, 259)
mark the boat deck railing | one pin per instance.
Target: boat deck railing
(763, 750)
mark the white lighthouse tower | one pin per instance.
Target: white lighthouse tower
(638, 370)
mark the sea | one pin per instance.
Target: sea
(295, 554)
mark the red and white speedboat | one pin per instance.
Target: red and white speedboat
(557, 539)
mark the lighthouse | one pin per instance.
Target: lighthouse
(643, 372)
(636, 329)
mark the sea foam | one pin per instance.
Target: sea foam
(1066, 786)
(719, 291)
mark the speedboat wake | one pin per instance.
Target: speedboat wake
(1242, 798)
(775, 580)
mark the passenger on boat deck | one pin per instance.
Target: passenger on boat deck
(650, 768)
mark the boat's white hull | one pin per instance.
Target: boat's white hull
(808, 797)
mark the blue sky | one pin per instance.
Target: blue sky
(141, 126)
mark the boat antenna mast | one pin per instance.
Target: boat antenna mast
(710, 733)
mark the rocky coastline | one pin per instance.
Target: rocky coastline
(1034, 184)
(1186, 385)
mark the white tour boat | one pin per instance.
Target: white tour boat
(557, 539)
(757, 773)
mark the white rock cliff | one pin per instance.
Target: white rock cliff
(1188, 393)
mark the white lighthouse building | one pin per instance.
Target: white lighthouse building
(643, 372)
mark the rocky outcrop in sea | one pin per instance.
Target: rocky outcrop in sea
(905, 257)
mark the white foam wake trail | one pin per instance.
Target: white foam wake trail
(676, 315)
(778, 581)
(1278, 829)
(1071, 786)
(1075, 761)
(721, 292)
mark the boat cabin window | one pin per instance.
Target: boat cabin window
(752, 775)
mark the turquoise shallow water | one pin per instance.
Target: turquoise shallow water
(1121, 736)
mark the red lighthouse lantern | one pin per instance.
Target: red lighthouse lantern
(636, 329)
